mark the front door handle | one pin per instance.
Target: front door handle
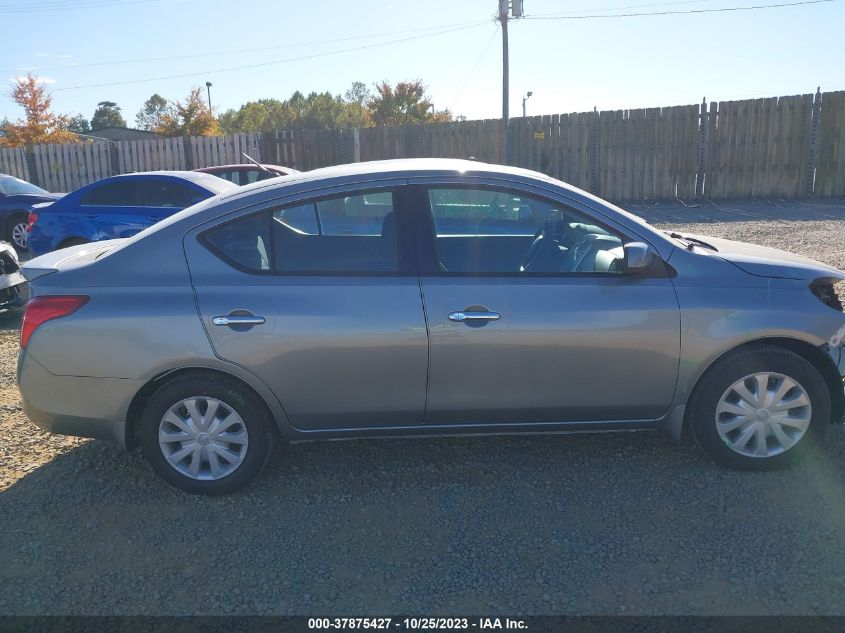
(473, 315)
(238, 320)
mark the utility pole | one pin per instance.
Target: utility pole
(208, 85)
(506, 9)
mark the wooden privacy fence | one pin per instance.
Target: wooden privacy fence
(13, 162)
(150, 155)
(208, 151)
(68, 166)
(780, 146)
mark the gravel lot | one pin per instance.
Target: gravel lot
(591, 524)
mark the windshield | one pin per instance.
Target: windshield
(11, 186)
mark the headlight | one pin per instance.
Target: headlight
(825, 290)
(8, 261)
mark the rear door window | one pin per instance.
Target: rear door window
(341, 235)
(166, 193)
(345, 234)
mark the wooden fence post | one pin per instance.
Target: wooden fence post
(813, 148)
(594, 152)
(189, 152)
(703, 135)
(356, 135)
(114, 158)
(29, 156)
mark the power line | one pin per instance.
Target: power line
(630, 6)
(57, 5)
(246, 50)
(269, 63)
(687, 12)
(473, 69)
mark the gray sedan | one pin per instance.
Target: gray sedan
(425, 297)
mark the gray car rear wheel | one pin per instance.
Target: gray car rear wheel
(206, 434)
(760, 408)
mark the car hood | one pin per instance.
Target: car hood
(763, 261)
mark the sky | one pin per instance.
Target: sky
(125, 50)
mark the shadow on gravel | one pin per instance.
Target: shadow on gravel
(11, 321)
(623, 523)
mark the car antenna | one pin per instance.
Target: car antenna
(255, 162)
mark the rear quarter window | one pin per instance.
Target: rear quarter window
(244, 242)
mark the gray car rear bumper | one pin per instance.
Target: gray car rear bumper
(89, 407)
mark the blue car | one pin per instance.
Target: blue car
(16, 199)
(117, 207)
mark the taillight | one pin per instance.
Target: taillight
(43, 309)
(33, 218)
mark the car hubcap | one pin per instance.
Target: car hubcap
(763, 414)
(203, 438)
(20, 235)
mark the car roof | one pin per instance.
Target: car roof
(407, 167)
(206, 181)
(243, 167)
(417, 167)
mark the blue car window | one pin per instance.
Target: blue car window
(166, 193)
(121, 193)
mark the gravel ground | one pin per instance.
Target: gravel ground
(592, 524)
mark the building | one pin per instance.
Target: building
(122, 134)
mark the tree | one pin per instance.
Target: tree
(39, 124)
(153, 112)
(191, 118)
(78, 124)
(405, 104)
(107, 114)
(358, 93)
(316, 111)
(264, 115)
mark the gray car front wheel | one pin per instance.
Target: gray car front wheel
(206, 433)
(760, 408)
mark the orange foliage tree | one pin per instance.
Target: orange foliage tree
(39, 125)
(404, 104)
(191, 118)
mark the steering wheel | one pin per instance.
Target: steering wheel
(545, 243)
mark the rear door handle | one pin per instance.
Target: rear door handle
(238, 320)
(472, 315)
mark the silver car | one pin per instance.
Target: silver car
(424, 297)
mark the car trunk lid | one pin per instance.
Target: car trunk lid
(67, 258)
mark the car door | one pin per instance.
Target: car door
(526, 331)
(111, 210)
(319, 301)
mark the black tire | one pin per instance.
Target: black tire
(234, 395)
(73, 241)
(733, 367)
(15, 219)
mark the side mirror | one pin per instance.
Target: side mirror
(639, 258)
